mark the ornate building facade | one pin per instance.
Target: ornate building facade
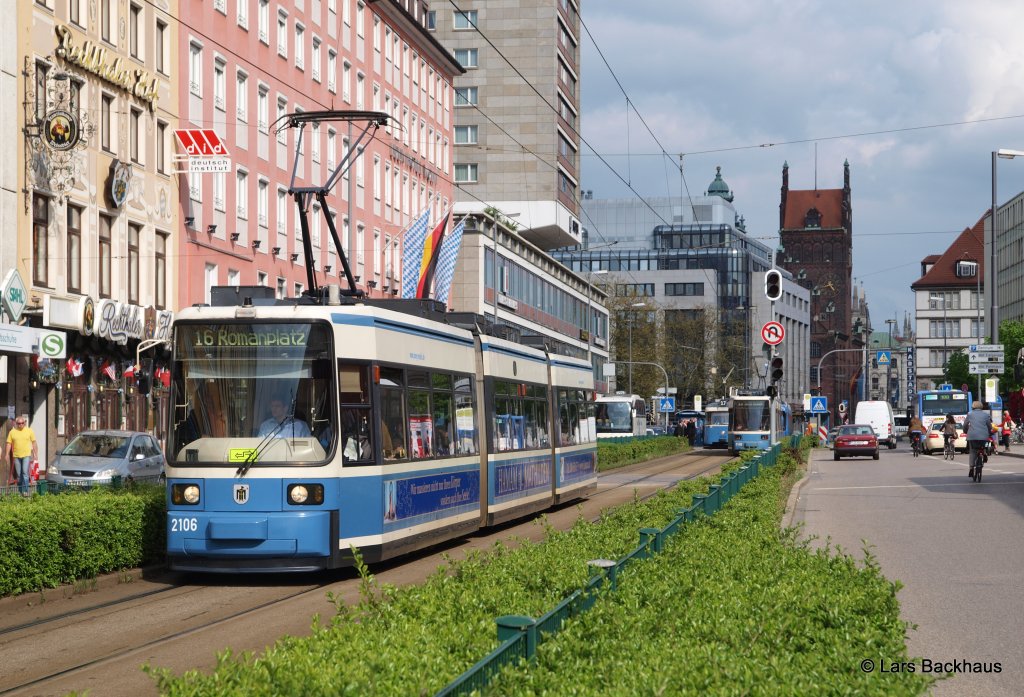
(816, 234)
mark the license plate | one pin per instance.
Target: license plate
(858, 442)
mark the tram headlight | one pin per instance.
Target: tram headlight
(306, 494)
(185, 494)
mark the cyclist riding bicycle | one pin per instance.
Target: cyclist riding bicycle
(948, 430)
(915, 430)
(977, 426)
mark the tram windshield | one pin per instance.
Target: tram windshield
(945, 402)
(750, 415)
(717, 418)
(614, 417)
(246, 393)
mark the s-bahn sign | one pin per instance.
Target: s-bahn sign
(15, 296)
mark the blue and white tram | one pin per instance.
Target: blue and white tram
(757, 421)
(400, 431)
(716, 424)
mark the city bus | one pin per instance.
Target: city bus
(933, 405)
(619, 415)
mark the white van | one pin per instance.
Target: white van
(879, 415)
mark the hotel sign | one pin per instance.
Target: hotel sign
(93, 58)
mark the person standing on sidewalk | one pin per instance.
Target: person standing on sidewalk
(1006, 430)
(22, 449)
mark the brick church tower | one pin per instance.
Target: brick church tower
(816, 234)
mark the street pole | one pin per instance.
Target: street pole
(631, 353)
(994, 304)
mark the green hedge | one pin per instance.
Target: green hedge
(619, 452)
(731, 607)
(49, 540)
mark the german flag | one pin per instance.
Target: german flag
(431, 251)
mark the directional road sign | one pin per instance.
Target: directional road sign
(884, 358)
(772, 333)
(819, 405)
(986, 357)
(985, 368)
(667, 404)
(985, 347)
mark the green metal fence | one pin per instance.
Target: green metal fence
(519, 636)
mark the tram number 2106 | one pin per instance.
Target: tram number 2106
(184, 524)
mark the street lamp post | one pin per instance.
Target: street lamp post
(888, 372)
(632, 318)
(993, 273)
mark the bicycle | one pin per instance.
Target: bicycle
(977, 460)
(948, 451)
(1017, 437)
(915, 443)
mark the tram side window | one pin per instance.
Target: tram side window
(421, 428)
(507, 423)
(537, 417)
(588, 425)
(392, 414)
(354, 395)
(465, 416)
(442, 412)
(568, 418)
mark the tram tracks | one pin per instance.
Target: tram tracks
(178, 626)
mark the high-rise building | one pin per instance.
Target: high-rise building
(517, 119)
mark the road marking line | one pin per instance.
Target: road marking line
(899, 486)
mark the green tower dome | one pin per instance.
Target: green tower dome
(719, 188)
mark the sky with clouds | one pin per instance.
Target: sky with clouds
(879, 84)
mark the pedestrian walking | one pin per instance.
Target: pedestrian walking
(22, 450)
(691, 432)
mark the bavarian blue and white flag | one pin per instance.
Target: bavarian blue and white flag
(446, 262)
(412, 254)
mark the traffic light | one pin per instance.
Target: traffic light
(144, 376)
(773, 284)
(776, 368)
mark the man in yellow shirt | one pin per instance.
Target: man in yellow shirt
(22, 449)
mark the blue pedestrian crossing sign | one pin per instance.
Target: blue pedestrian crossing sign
(666, 404)
(883, 358)
(819, 405)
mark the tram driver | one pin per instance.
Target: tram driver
(281, 424)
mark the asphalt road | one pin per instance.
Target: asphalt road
(956, 546)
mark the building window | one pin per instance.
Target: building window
(465, 19)
(161, 46)
(106, 107)
(219, 84)
(134, 232)
(161, 147)
(466, 135)
(467, 57)
(134, 20)
(242, 194)
(465, 96)
(134, 134)
(263, 109)
(281, 289)
(261, 278)
(466, 173)
(160, 270)
(242, 96)
(75, 12)
(243, 14)
(262, 202)
(282, 34)
(300, 46)
(315, 59)
(684, 289)
(263, 20)
(105, 255)
(105, 17)
(40, 240)
(431, 20)
(209, 280)
(332, 70)
(195, 69)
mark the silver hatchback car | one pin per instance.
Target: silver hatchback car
(96, 457)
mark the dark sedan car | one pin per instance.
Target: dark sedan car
(855, 440)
